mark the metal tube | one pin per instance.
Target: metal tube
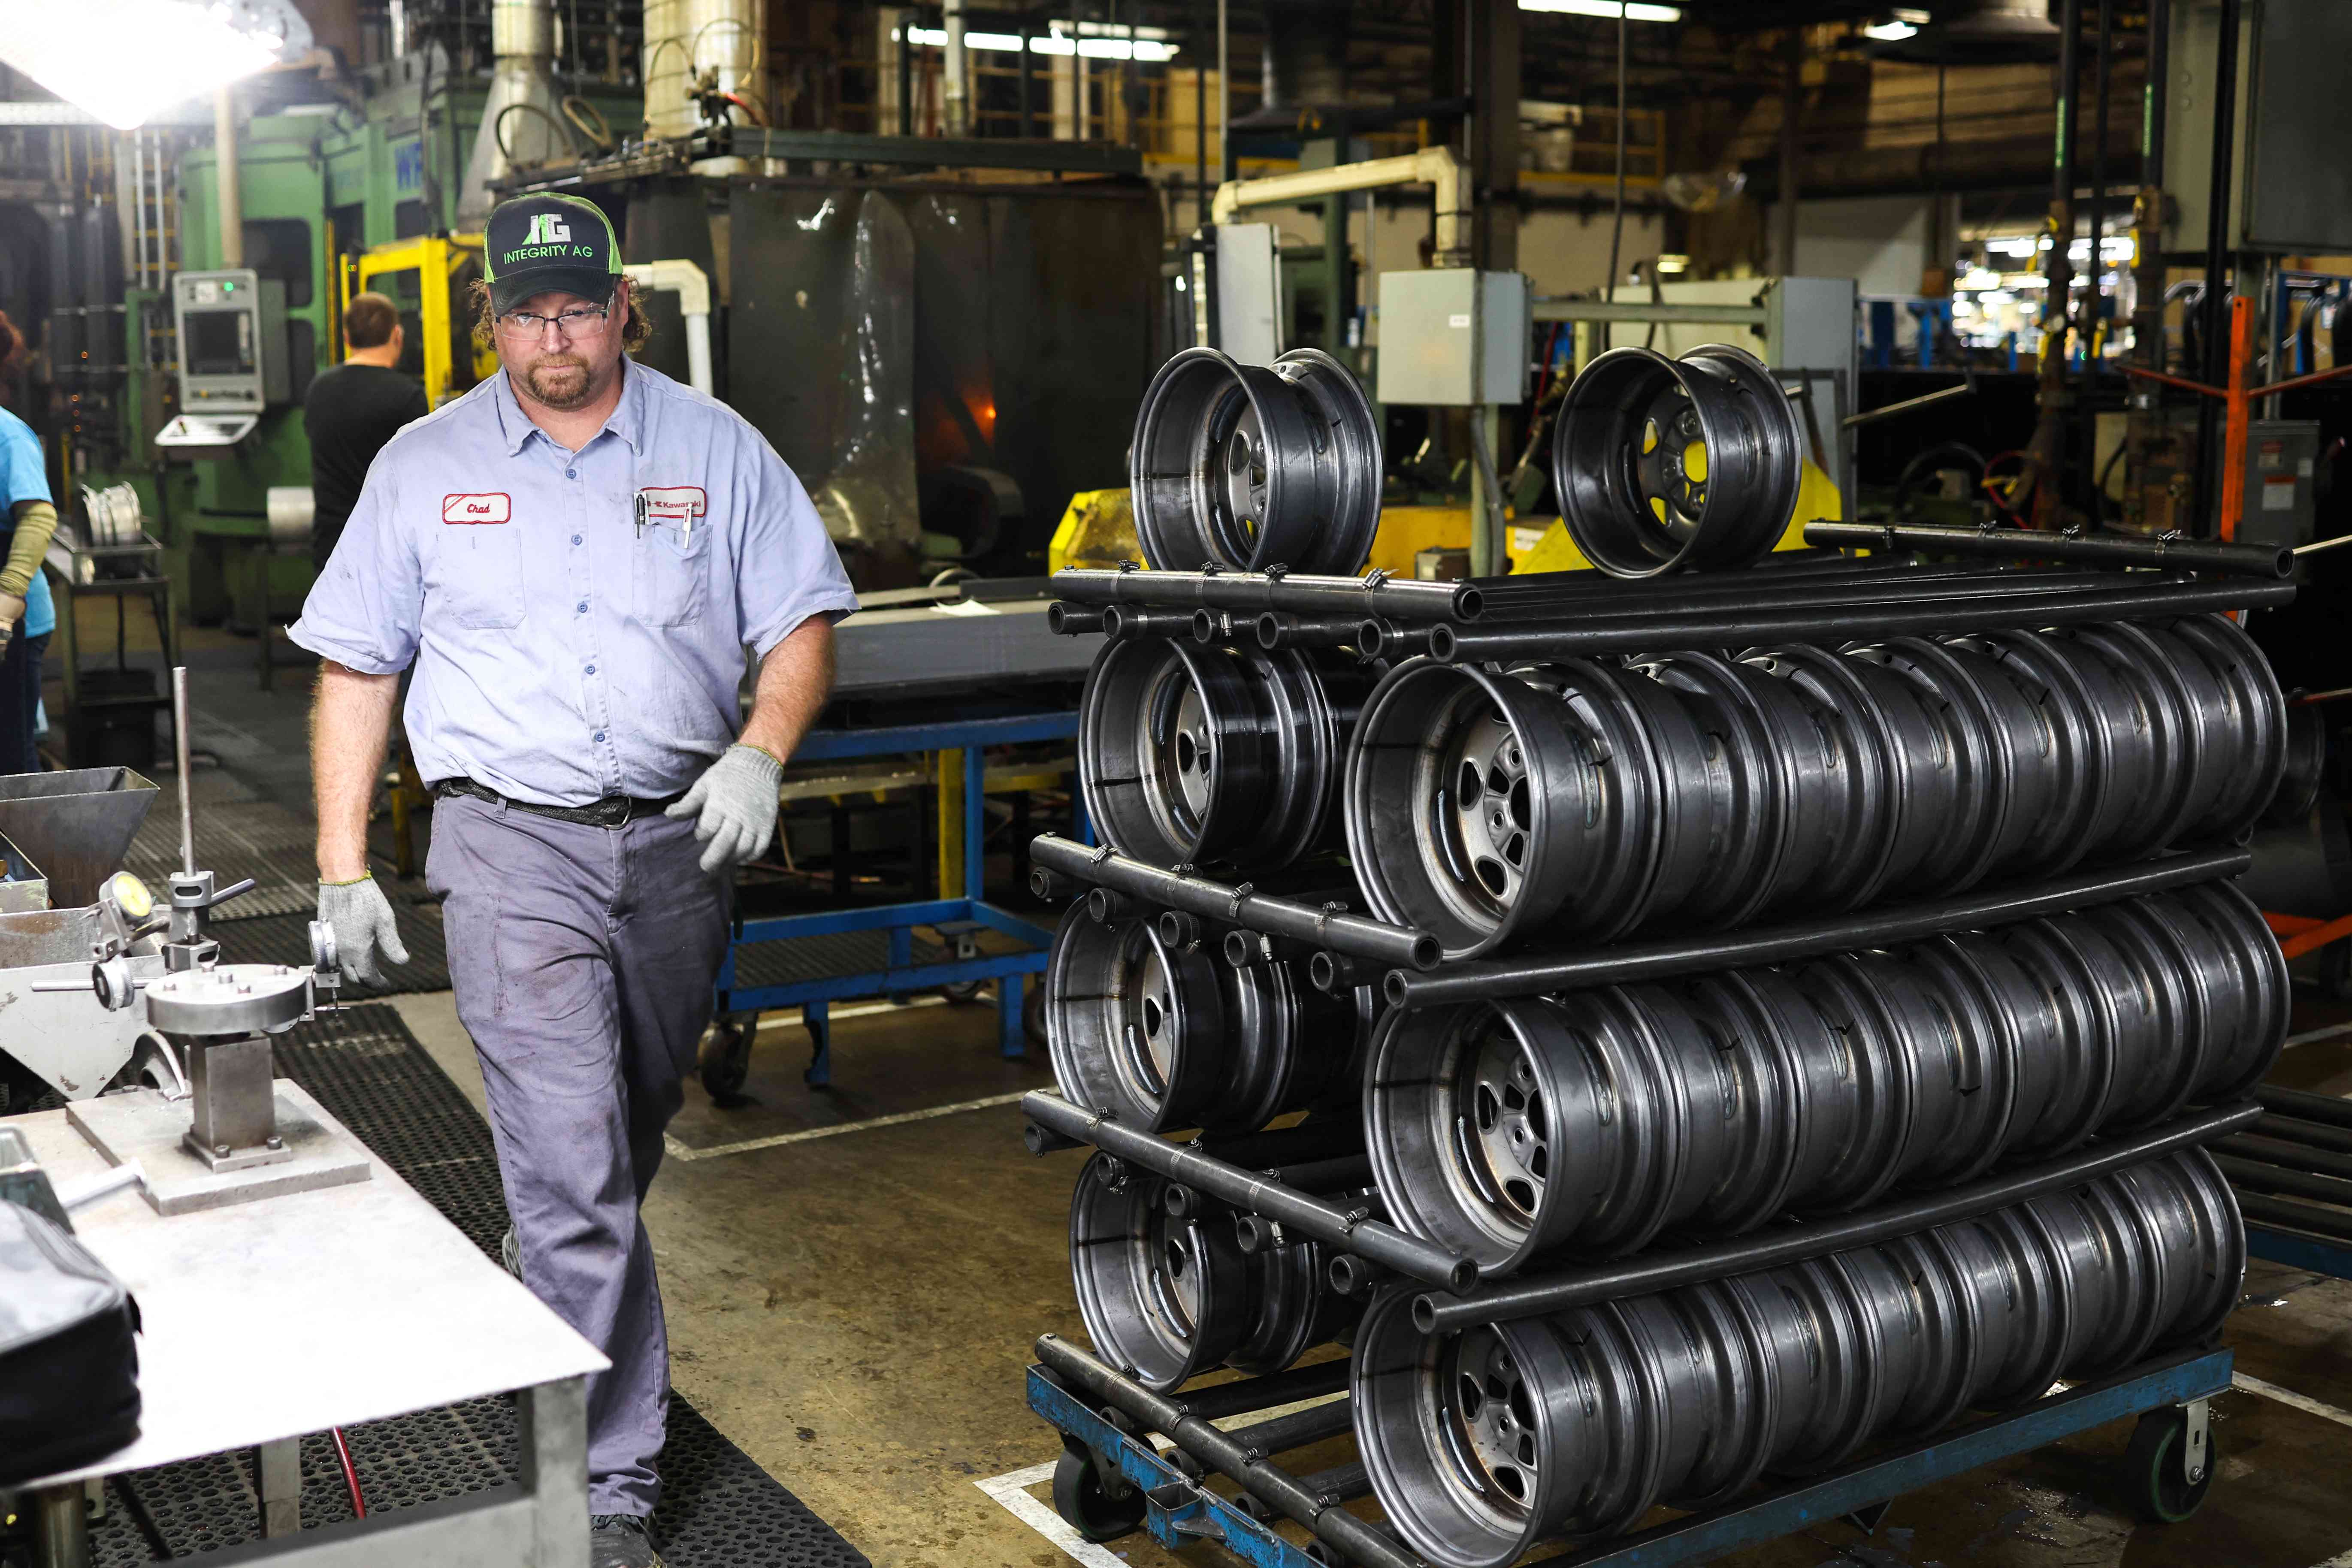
(229, 221)
(1399, 598)
(1266, 1393)
(1908, 405)
(2168, 554)
(1298, 1429)
(1279, 629)
(1841, 624)
(1239, 1189)
(2280, 1152)
(1535, 976)
(1128, 621)
(2294, 1102)
(179, 759)
(2264, 1177)
(1070, 620)
(2333, 1224)
(1713, 594)
(2309, 1136)
(957, 97)
(1326, 927)
(2103, 74)
(1665, 1270)
(1355, 1540)
(2217, 247)
(60, 1527)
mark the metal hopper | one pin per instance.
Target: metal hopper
(75, 826)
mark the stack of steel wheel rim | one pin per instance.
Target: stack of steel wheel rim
(1517, 816)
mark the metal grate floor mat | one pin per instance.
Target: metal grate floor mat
(718, 1509)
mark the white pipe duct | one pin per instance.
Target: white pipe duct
(1439, 167)
(692, 286)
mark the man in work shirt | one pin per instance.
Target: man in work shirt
(574, 556)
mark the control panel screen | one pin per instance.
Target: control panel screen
(218, 343)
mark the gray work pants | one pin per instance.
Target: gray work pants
(582, 958)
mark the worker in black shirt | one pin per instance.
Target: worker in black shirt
(352, 410)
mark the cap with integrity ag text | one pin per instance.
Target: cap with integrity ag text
(536, 244)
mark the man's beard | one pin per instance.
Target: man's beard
(564, 401)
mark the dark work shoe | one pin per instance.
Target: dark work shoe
(621, 1541)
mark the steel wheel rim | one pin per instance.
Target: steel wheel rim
(1663, 464)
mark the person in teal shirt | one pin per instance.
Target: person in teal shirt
(27, 519)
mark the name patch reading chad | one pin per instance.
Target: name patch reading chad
(475, 509)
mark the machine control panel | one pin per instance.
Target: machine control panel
(232, 335)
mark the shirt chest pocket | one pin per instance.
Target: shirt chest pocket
(481, 576)
(672, 571)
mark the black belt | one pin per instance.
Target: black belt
(612, 811)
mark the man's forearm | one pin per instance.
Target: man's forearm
(349, 724)
(795, 681)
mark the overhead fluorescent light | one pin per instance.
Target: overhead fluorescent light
(125, 61)
(1893, 32)
(1634, 10)
(1147, 50)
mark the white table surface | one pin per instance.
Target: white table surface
(289, 1315)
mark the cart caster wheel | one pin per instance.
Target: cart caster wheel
(965, 947)
(2335, 970)
(729, 1061)
(2155, 1471)
(1098, 1507)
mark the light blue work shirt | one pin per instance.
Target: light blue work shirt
(571, 640)
(24, 476)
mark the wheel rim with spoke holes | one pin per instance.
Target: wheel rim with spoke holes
(1250, 466)
(1167, 1299)
(1677, 464)
(1215, 756)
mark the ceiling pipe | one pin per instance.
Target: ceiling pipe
(1439, 167)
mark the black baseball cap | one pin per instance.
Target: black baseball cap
(534, 244)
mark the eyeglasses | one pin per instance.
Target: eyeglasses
(582, 322)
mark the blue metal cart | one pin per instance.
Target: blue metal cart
(1112, 1474)
(848, 960)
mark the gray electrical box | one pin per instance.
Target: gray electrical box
(1453, 337)
(232, 334)
(2282, 497)
(2292, 185)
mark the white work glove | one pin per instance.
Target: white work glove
(362, 918)
(734, 804)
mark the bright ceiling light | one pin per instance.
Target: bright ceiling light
(1147, 50)
(126, 60)
(1893, 32)
(1634, 10)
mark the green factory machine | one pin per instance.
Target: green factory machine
(320, 186)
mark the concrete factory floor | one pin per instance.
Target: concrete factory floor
(855, 1309)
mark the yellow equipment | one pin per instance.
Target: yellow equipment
(428, 278)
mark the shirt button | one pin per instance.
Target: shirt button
(575, 539)
(592, 669)
(571, 473)
(583, 607)
(600, 734)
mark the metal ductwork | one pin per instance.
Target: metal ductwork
(1483, 1443)
(522, 117)
(689, 39)
(1980, 33)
